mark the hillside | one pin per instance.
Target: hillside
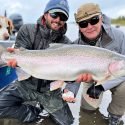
(119, 21)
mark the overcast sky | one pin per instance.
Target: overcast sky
(32, 9)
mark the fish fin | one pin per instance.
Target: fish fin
(2, 49)
(22, 49)
(99, 83)
(56, 45)
(56, 84)
(22, 75)
(19, 49)
(110, 77)
(2, 64)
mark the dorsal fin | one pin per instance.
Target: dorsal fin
(56, 45)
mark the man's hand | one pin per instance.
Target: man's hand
(68, 96)
(86, 77)
(10, 49)
(95, 91)
(12, 62)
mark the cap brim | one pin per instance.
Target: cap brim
(88, 17)
(58, 10)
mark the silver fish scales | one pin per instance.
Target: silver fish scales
(67, 62)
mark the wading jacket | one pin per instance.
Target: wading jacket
(33, 37)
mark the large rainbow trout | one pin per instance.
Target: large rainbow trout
(67, 62)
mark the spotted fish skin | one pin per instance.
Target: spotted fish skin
(67, 62)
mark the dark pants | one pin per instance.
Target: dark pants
(14, 96)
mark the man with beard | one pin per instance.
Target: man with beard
(50, 28)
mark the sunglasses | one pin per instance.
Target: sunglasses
(62, 16)
(92, 21)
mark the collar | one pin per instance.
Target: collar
(105, 39)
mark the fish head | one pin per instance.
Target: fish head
(117, 68)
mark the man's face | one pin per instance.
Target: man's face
(91, 28)
(55, 20)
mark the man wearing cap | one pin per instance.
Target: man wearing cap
(95, 30)
(50, 28)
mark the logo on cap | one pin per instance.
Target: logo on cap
(63, 2)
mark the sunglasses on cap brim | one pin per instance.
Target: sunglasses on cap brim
(93, 21)
(62, 16)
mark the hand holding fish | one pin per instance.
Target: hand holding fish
(101, 63)
(12, 62)
(85, 77)
(10, 49)
(68, 95)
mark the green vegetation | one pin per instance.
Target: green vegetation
(119, 21)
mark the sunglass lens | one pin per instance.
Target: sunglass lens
(94, 20)
(53, 15)
(61, 15)
(83, 24)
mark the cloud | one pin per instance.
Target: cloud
(121, 12)
(33, 9)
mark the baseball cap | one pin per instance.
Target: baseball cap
(58, 6)
(86, 11)
(59, 10)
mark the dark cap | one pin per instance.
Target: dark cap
(58, 6)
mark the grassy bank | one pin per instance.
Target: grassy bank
(119, 21)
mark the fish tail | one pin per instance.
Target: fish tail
(2, 49)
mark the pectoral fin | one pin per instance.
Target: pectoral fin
(55, 85)
(22, 75)
(56, 45)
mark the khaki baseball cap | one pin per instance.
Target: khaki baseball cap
(87, 11)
